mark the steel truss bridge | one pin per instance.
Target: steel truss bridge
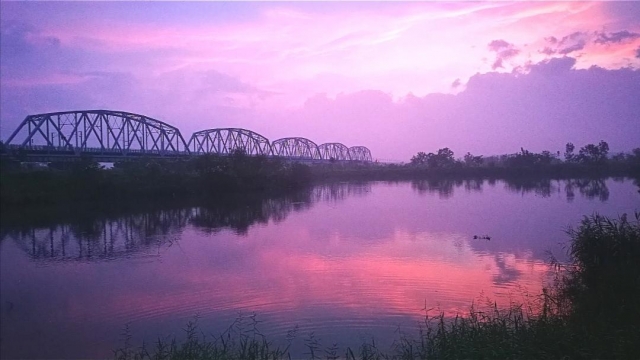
(108, 136)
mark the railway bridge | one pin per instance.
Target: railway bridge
(109, 136)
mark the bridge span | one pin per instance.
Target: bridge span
(109, 136)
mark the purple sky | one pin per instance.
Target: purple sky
(397, 77)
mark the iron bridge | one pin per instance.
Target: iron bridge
(108, 136)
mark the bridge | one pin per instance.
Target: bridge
(109, 136)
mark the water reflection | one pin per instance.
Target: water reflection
(544, 187)
(442, 187)
(96, 238)
(340, 191)
(341, 260)
(507, 273)
(590, 188)
(102, 239)
(145, 234)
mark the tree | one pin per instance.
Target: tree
(568, 153)
(471, 160)
(526, 158)
(593, 154)
(636, 155)
(419, 159)
(445, 156)
(619, 157)
(545, 157)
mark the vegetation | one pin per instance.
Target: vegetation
(589, 312)
(210, 175)
(207, 175)
(592, 161)
(590, 155)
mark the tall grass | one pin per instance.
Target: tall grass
(590, 312)
(242, 340)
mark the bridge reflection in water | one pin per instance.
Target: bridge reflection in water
(147, 234)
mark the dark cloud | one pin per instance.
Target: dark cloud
(553, 66)
(575, 47)
(616, 37)
(572, 42)
(503, 50)
(497, 64)
(497, 45)
(548, 51)
(508, 53)
(578, 40)
(638, 52)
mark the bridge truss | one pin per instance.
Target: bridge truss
(360, 153)
(334, 151)
(98, 131)
(109, 135)
(295, 147)
(227, 140)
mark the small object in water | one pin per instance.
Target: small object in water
(475, 236)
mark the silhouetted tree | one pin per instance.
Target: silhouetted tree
(445, 156)
(419, 159)
(635, 156)
(471, 160)
(545, 158)
(593, 154)
(569, 156)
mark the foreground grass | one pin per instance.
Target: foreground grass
(591, 312)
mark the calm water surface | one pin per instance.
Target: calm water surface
(346, 262)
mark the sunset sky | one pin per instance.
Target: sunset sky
(398, 77)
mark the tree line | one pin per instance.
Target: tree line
(590, 154)
(209, 175)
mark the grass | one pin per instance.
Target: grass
(590, 312)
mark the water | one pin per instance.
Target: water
(347, 262)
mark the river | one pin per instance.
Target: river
(345, 262)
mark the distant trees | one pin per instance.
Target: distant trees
(526, 158)
(635, 157)
(204, 175)
(591, 156)
(443, 158)
(420, 158)
(588, 154)
(473, 161)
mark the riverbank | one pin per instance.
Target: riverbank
(85, 181)
(202, 177)
(589, 312)
(372, 172)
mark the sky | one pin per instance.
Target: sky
(398, 77)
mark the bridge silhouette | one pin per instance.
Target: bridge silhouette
(108, 135)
